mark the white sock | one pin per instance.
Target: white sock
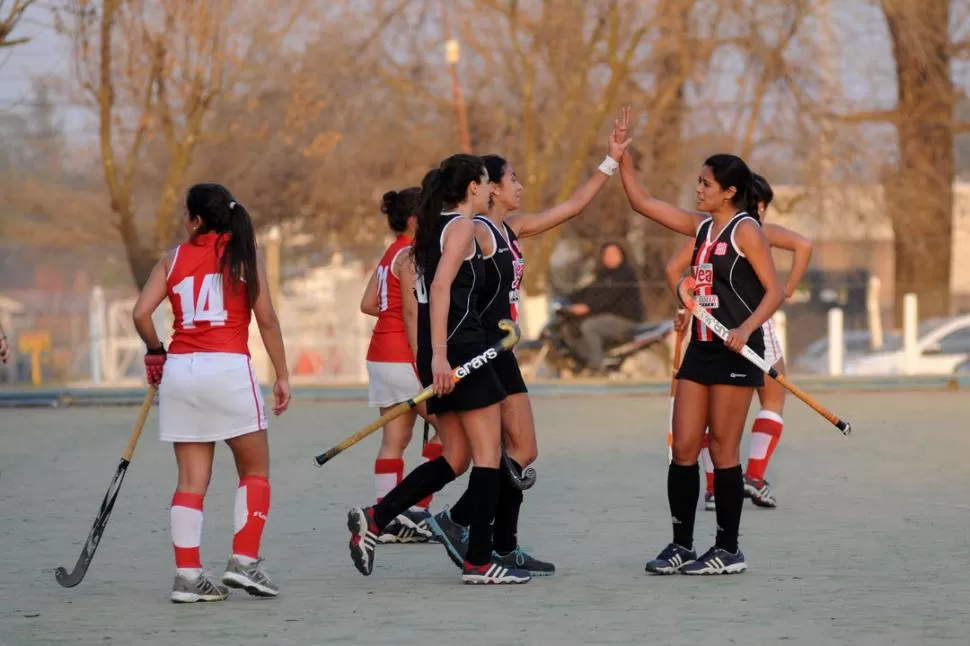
(245, 560)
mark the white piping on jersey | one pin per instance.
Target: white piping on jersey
(471, 290)
(498, 288)
(174, 258)
(390, 267)
(731, 283)
(734, 244)
(441, 240)
(485, 221)
(703, 222)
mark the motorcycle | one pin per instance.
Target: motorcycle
(554, 353)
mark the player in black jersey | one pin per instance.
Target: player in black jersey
(498, 235)
(450, 273)
(768, 424)
(737, 282)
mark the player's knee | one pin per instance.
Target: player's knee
(458, 458)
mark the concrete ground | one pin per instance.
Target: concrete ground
(870, 544)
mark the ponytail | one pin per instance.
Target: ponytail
(751, 203)
(238, 261)
(429, 208)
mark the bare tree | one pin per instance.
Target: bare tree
(919, 193)
(10, 16)
(155, 70)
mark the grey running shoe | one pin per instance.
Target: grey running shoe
(519, 559)
(452, 535)
(251, 578)
(203, 588)
(759, 493)
(709, 504)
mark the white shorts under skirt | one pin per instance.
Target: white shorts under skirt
(209, 397)
(772, 345)
(391, 383)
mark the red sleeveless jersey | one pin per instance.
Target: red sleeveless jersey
(389, 341)
(209, 315)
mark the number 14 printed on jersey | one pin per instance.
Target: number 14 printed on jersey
(206, 306)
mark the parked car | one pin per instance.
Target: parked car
(942, 344)
(815, 358)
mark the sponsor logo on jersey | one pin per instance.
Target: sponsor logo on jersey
(720, 249)
(703, 275)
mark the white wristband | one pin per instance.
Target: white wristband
(609, 166)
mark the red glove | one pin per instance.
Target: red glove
(154, 364)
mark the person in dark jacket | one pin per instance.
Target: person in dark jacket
(611, 305)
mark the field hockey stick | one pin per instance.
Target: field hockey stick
(457, 374)
(71, 579)
(686, 286)
(520, 481)
(678, 349)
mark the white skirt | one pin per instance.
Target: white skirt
(772, 346)
(209, 397)
(391, 383)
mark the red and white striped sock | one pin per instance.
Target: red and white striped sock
(186, 519)
(388, 473)
(765, 433)
(429, 453)
(708, 464)
(252, 508)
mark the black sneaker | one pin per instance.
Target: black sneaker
(671, 560)
(717, 561)
(363, 538)
(759, 493)
(518, 559)
(408, 527)
(452, 535)
(493, 573)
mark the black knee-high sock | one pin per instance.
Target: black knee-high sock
(461, 511)
(506, 529)
(425, 480)
(483, 486)
(683, 488)
(729, 494)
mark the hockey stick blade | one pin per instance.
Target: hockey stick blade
(521, 482)
(684, 289)
(72, 578)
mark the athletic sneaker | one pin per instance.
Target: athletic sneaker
(252, 578)
(363, 538)
(671, 560)
(717, 561)
(203, 588)
(452, 535)
(759, 493)
(709, 501)
(493, 573)
(409, 527)
(518, 559)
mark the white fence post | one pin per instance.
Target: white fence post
(874, 313)
(836, 342)
(910, 323)
(96, 333)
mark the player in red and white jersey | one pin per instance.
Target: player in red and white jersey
(393, 379)
(215, 282)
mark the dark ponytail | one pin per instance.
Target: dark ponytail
(751, 204)
(220, 213)
(429, 208)
(445, 186)
(762, 190)
(399, 206)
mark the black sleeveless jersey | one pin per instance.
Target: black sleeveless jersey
(464, 324)
(503, 275)
(726, 284)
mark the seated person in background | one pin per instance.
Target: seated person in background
(611, 305)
